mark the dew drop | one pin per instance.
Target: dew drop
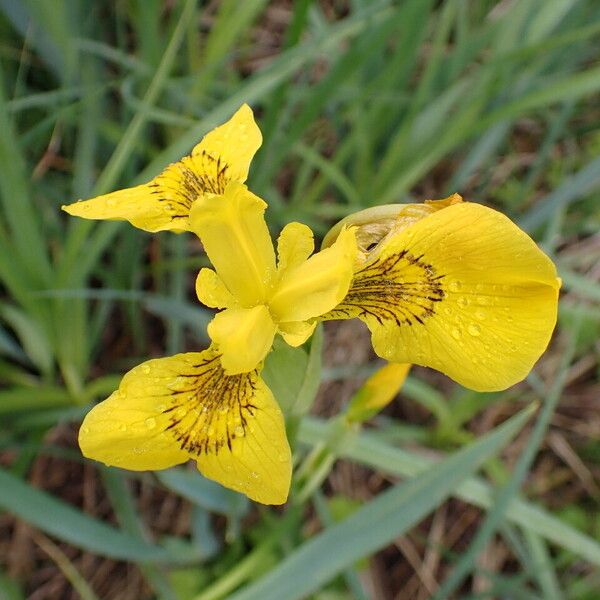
(474, 329)
(145, 369)
(456, 333)
(448, 310)
(254, 475)
(180, 412)
(463, 302)
(282, 457)
(482, 300)
(239, 431)
(480, 314)
(85, 430)
(454, 286)
(161, 407)
(150, 423)
(122, 427)
(111, 202)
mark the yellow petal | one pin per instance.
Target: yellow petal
(296, 333)
(318, 284)
(212, 292)
(130, 428)
(243, 336)
(233, 144)
(138, 205)
(377, 392)
(294, 245)
(223, 155)
(171, 409)
(234, 233)
(259, 462)
(161, 204)
(464, 291)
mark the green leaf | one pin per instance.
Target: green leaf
(55, 517)
(284, 372)
(366, 449)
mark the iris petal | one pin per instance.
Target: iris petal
(464, 291)
(234, 144)
(170, 409)
(164, 203)
(243, 337)
(294, 246)
(318, 284)
(234, 233)
(212, 292)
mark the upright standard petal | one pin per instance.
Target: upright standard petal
(212, 292)
(164, 203)
(294, 245)
(170, 409)
(464, 291)
(315, 286)
(234, 233)
(243, 337)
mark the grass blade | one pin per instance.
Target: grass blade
(57, 518)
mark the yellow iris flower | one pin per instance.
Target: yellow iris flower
(446, 284)
(262, 298)
(454, 286)
(213, 406)
(222, 156)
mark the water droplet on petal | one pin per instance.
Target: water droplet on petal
(480, 314)
(180, 412)
(239, 431)
(282, 457)
(122, 427)
(145, 369)
(85, 430)
(456, 333)
(150, 423)
(454, 286)
(111, 202)
(463, 302)
(474, 329)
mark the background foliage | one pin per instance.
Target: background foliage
(360, 103)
